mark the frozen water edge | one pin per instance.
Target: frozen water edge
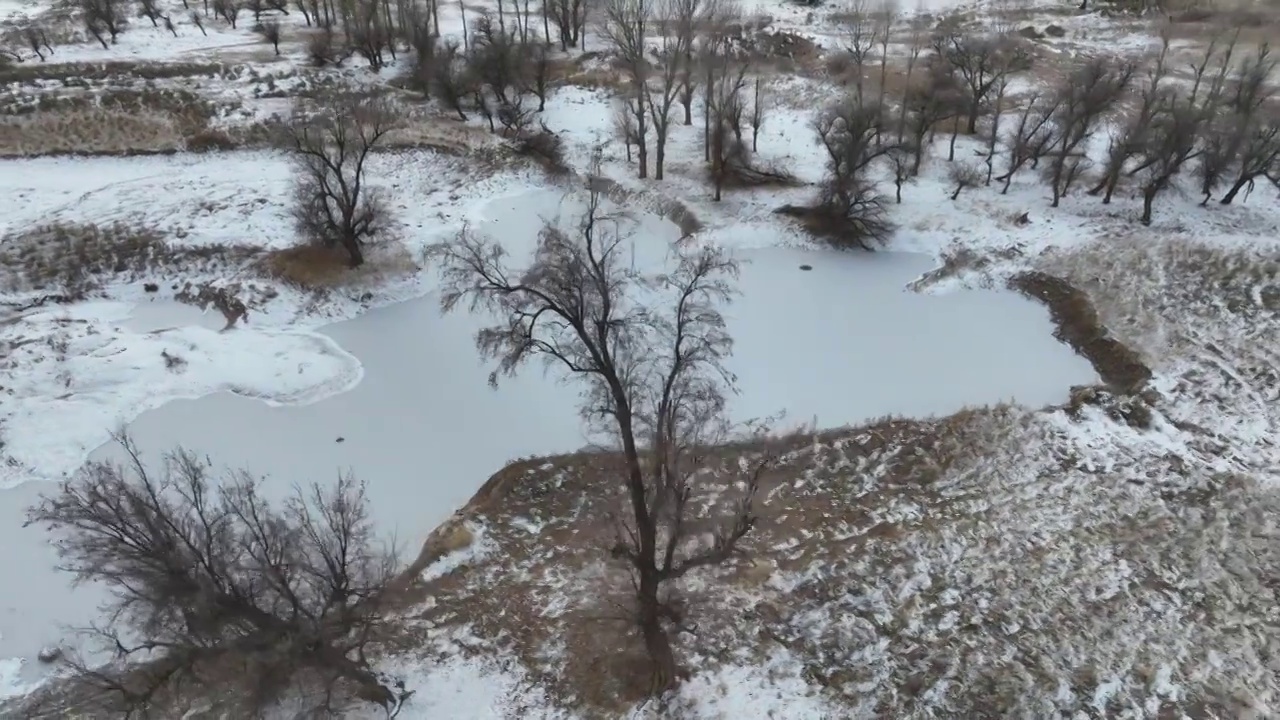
(399, 395)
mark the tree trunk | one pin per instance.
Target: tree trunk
(660, 155)
(656, 642)
(1148, 197)
(353, 248)
(1235, 190)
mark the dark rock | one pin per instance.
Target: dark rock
(1056, 31)
(151, 287)
(806, 267)
(341, 439)
(50, 654)
(1030, 33)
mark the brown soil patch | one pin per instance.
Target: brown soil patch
(1078, 326)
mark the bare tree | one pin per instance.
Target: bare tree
(450, 82)
(38, 40)
(1128, 139)
(980, 62)
(369, 34)
(915, 46)
(654, 378)
(1031, 138)
(928, 104)
(257, 7)
(1243, 137)
(228, 10)
(334, 206)
(1259, 158)
(570, 18)
(270, 31)
(168, 25)
(624, 126)
(1178, 123)
(624, 26)
(1082, 103)
(204, 572)
(104, 19)
(886, 16)
(726, 112)
(675, 20)
(536, 75)
(704, 27)
(964, 175)
(849, 209)
(859, 32)
(199, 23)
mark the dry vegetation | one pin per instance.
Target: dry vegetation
(998, 562)
(72, 259)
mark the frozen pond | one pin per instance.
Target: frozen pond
(842, 343)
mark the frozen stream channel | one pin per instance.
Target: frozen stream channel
(842, 343)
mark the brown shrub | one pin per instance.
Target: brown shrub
(210, 141)
(87, 132)
(308, 266)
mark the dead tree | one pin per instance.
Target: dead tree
(1082, 103)
(199, 23)
(915, 46)
(654, 379)
(334, 207)
(270, 31)
(203, 573)
(624, 27)
(104, 19)
(980, 62)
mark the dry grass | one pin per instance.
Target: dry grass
(313, 267)
(120, 121)
(83, 74)
(995, 563)
(74, 258)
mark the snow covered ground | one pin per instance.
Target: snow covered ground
(394, 392)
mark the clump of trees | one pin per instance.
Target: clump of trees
(649, 351)
(205, 574)
(333, 204)
(1223, 127)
